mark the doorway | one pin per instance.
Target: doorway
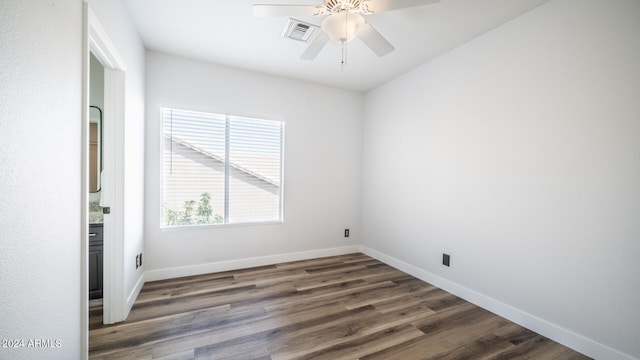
(104, 98)
(95, 168)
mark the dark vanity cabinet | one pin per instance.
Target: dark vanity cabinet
(95, 261)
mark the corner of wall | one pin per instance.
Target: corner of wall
(541, 326)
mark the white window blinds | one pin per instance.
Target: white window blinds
(220, 169)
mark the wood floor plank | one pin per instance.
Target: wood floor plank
(364, 345)
(203, 300)
(333, 292)
(379, 294)
(328, 278)
(282, 335)
(442, 333)
(357, 324)
(538, 347)
(321, 261)
(182, 355)
(400, 302)
(342, 307)
(188, 289)
(262, 279)
(152, 330)
(337, 335)
(220, 337)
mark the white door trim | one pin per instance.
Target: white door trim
(114, 299)
(98, 42)
(101, 45)
(84, 196)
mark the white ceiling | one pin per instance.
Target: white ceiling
(225, 32)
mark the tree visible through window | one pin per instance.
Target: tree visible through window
(220, 169)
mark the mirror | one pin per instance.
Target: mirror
(95, 148)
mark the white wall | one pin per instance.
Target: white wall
(518, 153)
(322, 166)
(40, 180)
(114, 18)
(96, 83)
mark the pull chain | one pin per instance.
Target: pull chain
(344, 56)
(344, 42)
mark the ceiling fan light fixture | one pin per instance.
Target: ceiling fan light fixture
(343, 26)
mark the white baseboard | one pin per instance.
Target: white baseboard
(133, 295)
(170, 273)
(559, 334)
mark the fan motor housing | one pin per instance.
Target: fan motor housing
(341, 5)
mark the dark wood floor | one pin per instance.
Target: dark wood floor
(343, 307)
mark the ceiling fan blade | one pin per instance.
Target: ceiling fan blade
(378, 6)
(374, 40)
(260, 10)
(316, 45)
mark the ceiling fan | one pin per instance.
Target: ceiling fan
(343, 22)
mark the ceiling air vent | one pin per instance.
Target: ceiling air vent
(299, 30)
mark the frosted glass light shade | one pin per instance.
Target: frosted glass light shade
(342, 26)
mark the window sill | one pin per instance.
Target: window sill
(218, 226)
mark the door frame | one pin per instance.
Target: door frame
(98, 43)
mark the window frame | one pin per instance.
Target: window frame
(228, 118)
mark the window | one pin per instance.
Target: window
(220, 169)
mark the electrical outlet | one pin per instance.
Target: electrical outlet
(346, 232)
(140, 259)
(446, 259)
